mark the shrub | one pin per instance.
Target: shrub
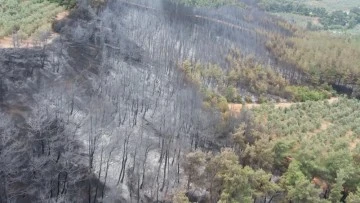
(303, 93)
(222, 104)
(248, 99)
(262, 99)
(230, 93)
(238, 99)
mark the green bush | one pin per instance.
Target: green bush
(238, 99)
(231, 94)
(215, 100)
(262, 99)
(303, 93)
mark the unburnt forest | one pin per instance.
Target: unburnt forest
(131, 101)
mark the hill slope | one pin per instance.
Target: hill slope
(106, 114)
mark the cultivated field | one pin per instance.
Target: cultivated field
(26, 17)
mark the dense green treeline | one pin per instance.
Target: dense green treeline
(243, 72)
(341, 19)
(321, 58)
(291, 7)
(334, 20)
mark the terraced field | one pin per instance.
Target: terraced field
(26, 17)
